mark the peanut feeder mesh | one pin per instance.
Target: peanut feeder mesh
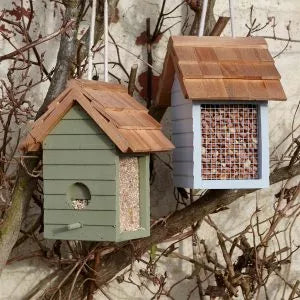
(129, 194)
(229, 141)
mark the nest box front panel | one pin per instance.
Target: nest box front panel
(80, 180)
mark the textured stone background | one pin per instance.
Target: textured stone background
(18, 278)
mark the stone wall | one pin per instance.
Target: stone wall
(19, 277)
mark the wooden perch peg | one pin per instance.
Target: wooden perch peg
(74, 226)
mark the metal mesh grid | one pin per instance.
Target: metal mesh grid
(229, 141)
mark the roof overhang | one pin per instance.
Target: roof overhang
(220, 68)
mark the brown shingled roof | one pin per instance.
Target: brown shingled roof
(220, 68)
(121, 117)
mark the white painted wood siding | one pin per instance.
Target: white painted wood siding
(182, 137)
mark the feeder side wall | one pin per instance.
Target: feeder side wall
(182, 138)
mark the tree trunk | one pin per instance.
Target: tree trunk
(26, 184)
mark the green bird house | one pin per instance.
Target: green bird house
(96, 140)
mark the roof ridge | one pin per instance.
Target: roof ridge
(112, 121)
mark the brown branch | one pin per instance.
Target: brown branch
(280, 39)
(38, 41)
(220, 26)
(132, 78)
(180, 220)
(294, 291)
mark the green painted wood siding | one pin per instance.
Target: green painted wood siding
(78, 151)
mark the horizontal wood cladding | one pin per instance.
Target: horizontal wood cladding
(183, 181)
(182, 140)
(76, 113)
(76, 127)
(80, 172)
(96, 187)
(77, 142)
(96, 203)
(86, 233)
(183, 168)
(79, 157)
(183, 126)
(183, 154)
(181, 112)
(65, 217)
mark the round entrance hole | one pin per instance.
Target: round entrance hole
(78, 195)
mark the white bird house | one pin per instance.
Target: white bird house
(218, 89)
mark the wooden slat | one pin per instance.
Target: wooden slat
(185, 54)
(36, 136)
(147, 140)
(210, 70)
(257, 89)
(233, 89)
(86, 233)
(275, 90)
(132, 102)
(74, 127)
(183, 154)
(128, 119)
(79, 172)
(83, 142)
(57, 101)
(183, 139)
(205, 89)
(183, 168)
(214, 41)
(190, 70)
(60, 217)
(183, 126)
(109, 99)
(96, 85)
(237, 89)
(78, 157)
(136, 143)
(97, 188)
(237, 70)
(205, 54)
(181, 112)
(76, 113)
(96, 202)
(264, 55)
(108, 128)
(156, 139)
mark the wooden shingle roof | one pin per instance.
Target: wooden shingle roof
(220, 68)
(125, 121)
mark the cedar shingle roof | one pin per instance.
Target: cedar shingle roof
(220, 68)
(121, 117)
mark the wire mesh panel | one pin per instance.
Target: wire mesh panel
(229, 141)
